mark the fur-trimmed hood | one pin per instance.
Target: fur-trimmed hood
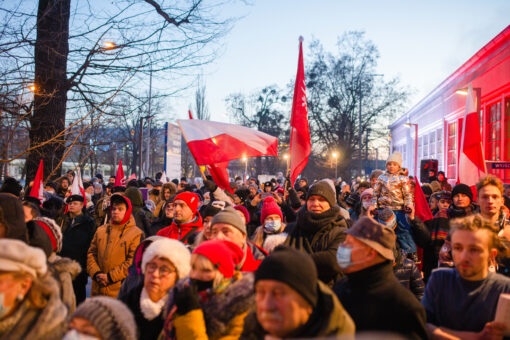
(65, 270)
(221, 308)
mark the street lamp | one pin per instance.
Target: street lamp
(245, 160)
(409, 125)
(286, 157)
(335, 156)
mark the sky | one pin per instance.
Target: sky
(422, 42)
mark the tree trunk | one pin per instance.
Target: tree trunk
(48, 119)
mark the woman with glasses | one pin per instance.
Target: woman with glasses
(163, 263)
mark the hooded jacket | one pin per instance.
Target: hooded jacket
(143, 217)
(328, 319)
(111, 252)
(319, 235)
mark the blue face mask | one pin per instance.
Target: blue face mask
(271, 227)
(3, 309)
(343, 257)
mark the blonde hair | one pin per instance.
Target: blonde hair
(203, 263)
(490, 180)
(474, 223)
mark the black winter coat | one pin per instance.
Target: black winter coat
(147, 329)
(409, 276)
(377, 302)
(319, 235)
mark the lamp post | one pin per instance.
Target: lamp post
(335, 156)
(286, 157)
(415, 146)
(245, 160)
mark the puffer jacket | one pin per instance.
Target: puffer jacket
(409, 275)
(328, 319)
(220, 317)
(111, 252)
(319, 235)
(392, 191)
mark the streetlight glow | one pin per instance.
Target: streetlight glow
(32, 88)
(463, 91)
(286, 156)
(109, 45)
(334, 154)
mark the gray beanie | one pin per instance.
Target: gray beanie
(229, 216)
(111, 318)
(324, 189)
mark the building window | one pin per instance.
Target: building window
(425, 147)
(506, 145)
(439, 148)
(493, 149)
(452, 150)
(432, 144)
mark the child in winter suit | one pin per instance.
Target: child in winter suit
(391, 190)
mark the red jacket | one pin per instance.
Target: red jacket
(254, 256)
(183, 232)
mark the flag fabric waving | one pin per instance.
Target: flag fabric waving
(421, 206)
(214, 142)
(77, 186)
(471, 157)
(219, 174)
(190, 115)
(163, 178)
(38, 187)
(120, 180)
(300, 145)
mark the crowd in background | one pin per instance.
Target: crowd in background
(159, 259)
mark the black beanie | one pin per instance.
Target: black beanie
(293, 268)
(11, 186)
(323, 189)
(462, 189)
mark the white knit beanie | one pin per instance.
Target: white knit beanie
(396, 157)
(17, 256)
(172, 250)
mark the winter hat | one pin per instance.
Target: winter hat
(229, 216)
(366, 193)
(376, 173)
(111, 318)
(172, 250)
(443, 195)
(191, 200)
(242, 194)
(292, 267)
(427, 189)
(395, 157)
(11, 186)
(17, 256)
(51, 228)
(14, 216)
(223, 254)
(75, 198)
(462, 189)
(209, 210)
(435, 186)
(245, 212)
(374, 235)
(270, 207)
(121, 199)
(324, 189)
(387, 218)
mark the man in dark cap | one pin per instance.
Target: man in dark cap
(462, 202)
(319, 229)
(78, 229)
(292, 303)
(370, 291)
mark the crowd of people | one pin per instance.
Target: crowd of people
(274, 260)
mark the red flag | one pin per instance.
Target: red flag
(219, 174)
(37, 188)
(133, 176)
(214, 142)
(120, 180)
(300, 145)
(190, 115)
(471, 158)
(421, 206)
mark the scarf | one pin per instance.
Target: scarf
(454, 211)
(149, 308)
(310, 223)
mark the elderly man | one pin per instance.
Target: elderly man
(370, 291)
(319, 229)
(461, 302)
(292, 303)
(187, 222)
(228, 225)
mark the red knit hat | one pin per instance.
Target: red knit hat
(191, 200)
(270, 207)
(223, 254)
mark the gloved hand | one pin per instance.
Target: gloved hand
(186, 299)
(210, 185)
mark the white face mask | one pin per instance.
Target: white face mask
(272, 227)
(73, 334)
(366, 205)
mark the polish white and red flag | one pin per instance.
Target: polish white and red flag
(38, 187)
(215, 142)
(120, 179)
(471, 158)
(300, 145)
(77, 186)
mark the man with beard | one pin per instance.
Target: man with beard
(319, 229)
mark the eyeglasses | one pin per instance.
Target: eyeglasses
(163, 270)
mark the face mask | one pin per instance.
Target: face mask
(4, 310)
(73, 334)
(343, 257)
(366, 205)
(202, 285)
(271, 227)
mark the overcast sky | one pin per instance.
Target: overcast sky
(422, 42)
